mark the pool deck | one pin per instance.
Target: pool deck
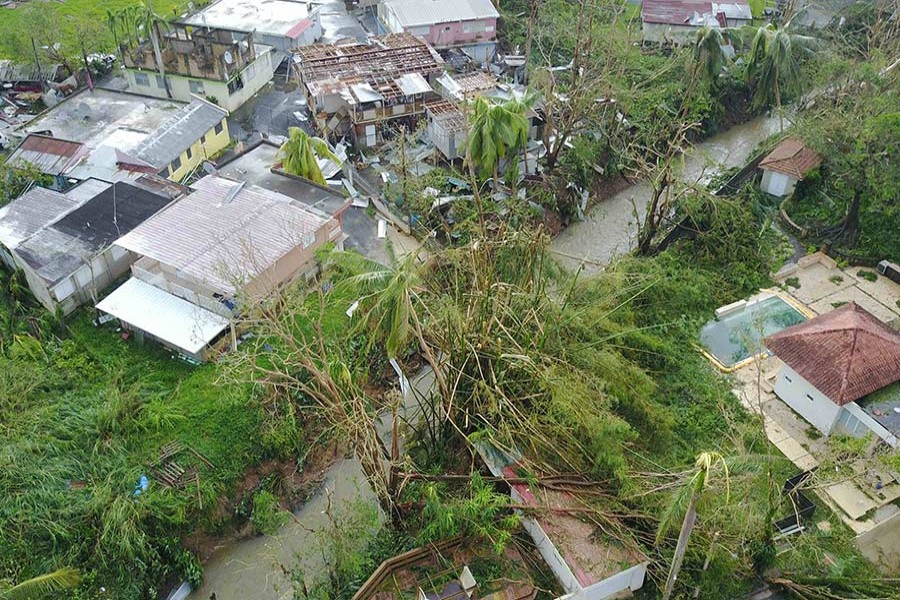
(871, 514)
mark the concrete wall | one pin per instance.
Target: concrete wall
(254, 77)
(881, 545)
(209, 145)
(777, 184)
(663, 33)
(806, 400)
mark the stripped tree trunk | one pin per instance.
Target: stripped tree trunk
(687, 527)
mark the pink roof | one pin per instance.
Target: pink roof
(299, 28)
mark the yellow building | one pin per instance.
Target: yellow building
(196, 133)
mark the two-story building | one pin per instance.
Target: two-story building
(365, 90)
(470, 25)
(208, 255)
(222, 66)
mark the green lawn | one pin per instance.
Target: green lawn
(16, 27)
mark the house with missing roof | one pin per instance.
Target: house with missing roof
(366, 91)
(115, 136)
(470, 25)
(210, 253)
(841, 372)
(225, 67)
(64, 242)
(788, 163)
(280, 24)
(587, 564)
(677, 21)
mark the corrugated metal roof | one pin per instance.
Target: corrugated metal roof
(791, 157)
(179, 133)
(675, 12)
(51, 155)
(416, 13)
(413, 83)
(164, 316)
(220, 241)
(39, 207)
(845, 354)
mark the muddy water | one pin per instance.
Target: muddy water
(610, 227)
(254, 568)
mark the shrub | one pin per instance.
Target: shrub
(867, 275)
(267, 516)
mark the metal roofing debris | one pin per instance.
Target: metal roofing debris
(417, 13)
(365, 93)
(164, 316)
(268, 17)
(791, 157)
(50, 155)
(467, 85)
(332, 68)
(845, 354)
(17, 72)
(179, 132)
(223, 244)
(413, 83)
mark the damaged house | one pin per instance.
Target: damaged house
(225, 67)
(366, 90)
(64, 243)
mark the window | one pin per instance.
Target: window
(197, 87)
(810, 398)
(218, 128)
(249, 72)
(309, 239)
(176, 164)
(142, 79)
(188, 153)
(203, 139)
(164, 173)
(160, 82)
(473, 26)
(788, 379)
(234, 85)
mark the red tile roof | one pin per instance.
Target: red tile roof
(791, 157)
(845, 354)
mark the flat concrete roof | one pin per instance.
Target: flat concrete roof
(273, 17)
(255, 168)
(102, 116)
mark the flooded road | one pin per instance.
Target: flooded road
(610, 227)
(259, 567)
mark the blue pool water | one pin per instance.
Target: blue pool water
(737, 335)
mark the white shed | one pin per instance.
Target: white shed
(787, 164)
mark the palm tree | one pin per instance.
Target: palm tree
(112, 21)
(153, 25)
(61, 579)
(686, 499)
(708, 56)
(298, 155)
(496, 130)
(773, 67)
(395, 297)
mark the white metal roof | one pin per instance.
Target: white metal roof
(417, 13)
(225, 233)
(268, 17)
(164, 316)
(413, 83)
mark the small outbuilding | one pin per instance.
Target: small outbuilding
(787, 164)
(833, 364)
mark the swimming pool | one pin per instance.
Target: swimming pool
(735, 336)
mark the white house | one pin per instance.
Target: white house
(787, 164)
(833, 364)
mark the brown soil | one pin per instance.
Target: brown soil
(605, 188)
(293, 488)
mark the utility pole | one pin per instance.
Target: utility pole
(37, 61)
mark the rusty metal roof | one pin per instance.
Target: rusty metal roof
(845, 354)
(51, 155)
(674, 12)
(791, 157)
